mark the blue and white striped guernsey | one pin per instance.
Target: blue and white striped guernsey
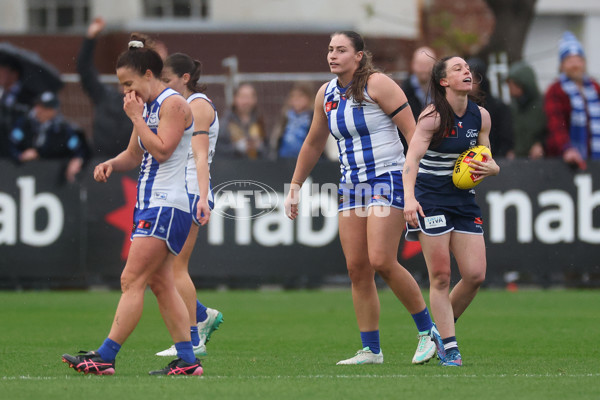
(434, 181)
(163, 185)
(213, 134)
(367, 139)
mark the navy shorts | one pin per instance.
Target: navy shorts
(443, 219)
(383, 190)
(166, 223)
(194, 204)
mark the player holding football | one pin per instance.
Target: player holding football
(444, 218)
(181, 73)
(361, 108)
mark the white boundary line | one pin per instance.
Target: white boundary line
(394, 376)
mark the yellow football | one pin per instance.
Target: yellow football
(462, 176)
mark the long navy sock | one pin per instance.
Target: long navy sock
(109, 349)
(423, 320)
(450, 343)
(371, 340)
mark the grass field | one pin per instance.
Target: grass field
(284, 345)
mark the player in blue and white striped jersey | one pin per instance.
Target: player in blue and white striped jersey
(182, 73)
(162, 129)
(445, 218)
(363, 110)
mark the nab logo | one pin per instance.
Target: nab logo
(331, 105)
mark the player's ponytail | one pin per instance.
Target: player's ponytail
(141, 56)
(440, 103)
(183, 64)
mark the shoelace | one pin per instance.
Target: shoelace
(422, 340)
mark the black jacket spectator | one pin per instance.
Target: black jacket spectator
(111, 127)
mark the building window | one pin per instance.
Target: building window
(176, 8)
(58, 15)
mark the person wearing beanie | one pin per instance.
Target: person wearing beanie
(572, 106)
(527, 109)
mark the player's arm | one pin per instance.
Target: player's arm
(174, 118)
(419, 144)
(311, 151)
(204, 115)
(127, 160)
(392, 100)
(488, 166)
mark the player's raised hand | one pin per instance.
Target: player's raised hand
(133, 105)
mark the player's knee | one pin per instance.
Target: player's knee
(360, 271)
(440, 278)
(475, 279)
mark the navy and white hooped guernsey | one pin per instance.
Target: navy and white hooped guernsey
(163, 184)
(434, 181)
(367, 139)
(191, 175)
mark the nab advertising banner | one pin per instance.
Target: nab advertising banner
(541, 221)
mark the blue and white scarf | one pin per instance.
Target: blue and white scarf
(582, 117)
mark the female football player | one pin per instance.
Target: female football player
(182, 73)
(362, 108)
(444, 218)
(162, 129)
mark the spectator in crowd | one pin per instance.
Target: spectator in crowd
(242, 131)
(416, 85)
(527, 109)
(45, 134)
(501, 134)
(15, 100)
(572, 107)
(288, 136)
(111, 126)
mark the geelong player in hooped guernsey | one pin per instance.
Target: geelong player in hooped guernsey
(434, 183)
(364, 110)
(446, 219)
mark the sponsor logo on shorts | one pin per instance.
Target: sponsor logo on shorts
(144, 224)
(478, 221)
(436, 221)
(162, 229)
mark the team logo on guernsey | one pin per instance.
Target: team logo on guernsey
(331, 105)
(460, 124)
(153, 120)
(453, 133)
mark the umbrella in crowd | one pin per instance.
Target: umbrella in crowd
(37, 75)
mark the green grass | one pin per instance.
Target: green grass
(284, 345)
